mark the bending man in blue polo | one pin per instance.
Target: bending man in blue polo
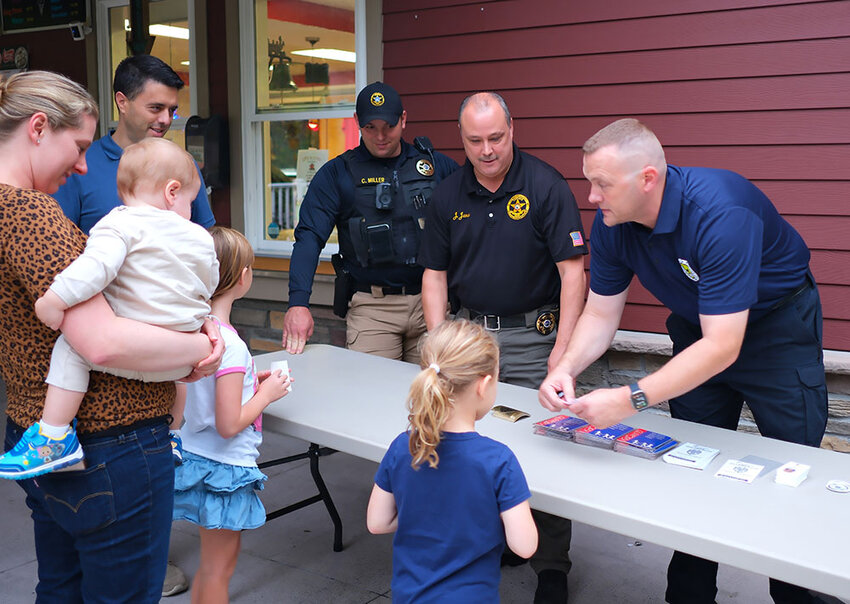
(745, 317)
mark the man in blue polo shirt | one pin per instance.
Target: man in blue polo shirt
(145, 91)
(746, 318)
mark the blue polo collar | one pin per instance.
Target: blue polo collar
(110, 148)
(671, 203)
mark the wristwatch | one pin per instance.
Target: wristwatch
(639, 401)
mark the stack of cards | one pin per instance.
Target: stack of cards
(643, 443)
(792, 474)
(691, 455)
(560, 426)
(601, 437)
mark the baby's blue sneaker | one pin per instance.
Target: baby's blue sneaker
(176, 448)
(37, 454)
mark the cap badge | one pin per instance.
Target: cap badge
(424, 167)
(689, 272)
(377, 99)
(518, 206)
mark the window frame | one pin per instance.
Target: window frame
(253, 193)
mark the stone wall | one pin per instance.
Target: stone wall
(631, 356)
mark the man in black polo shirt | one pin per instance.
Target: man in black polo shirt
(504, 242)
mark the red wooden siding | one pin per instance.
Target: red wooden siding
(761, 87)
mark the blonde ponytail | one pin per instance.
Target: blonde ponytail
(454, 355)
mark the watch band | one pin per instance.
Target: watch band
(639, 400)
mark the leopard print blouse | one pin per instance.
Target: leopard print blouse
(36, 242)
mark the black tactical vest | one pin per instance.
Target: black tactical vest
(386, 224)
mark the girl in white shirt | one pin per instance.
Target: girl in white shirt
(216, 487)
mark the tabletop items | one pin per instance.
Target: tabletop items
(651, 445)
(619, 437)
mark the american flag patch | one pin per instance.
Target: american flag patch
(577, 238)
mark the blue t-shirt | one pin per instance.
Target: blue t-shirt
(87, 198)
(450, 536)
(719, 247)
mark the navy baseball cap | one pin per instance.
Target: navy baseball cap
(378, 101)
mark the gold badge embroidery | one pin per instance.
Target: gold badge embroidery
(689, 272)
(377, 99)
(424, 167)
(546, 323)
(518, 206)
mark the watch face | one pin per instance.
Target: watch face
(639, 401)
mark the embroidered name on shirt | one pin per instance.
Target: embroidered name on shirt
(372, 180)
(460, 216)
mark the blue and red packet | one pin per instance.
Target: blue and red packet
(644, 443)
(560, 426)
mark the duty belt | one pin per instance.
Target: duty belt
(543, 319)
(388, 290)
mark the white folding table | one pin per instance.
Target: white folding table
(355, 403)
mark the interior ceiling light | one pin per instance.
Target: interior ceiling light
(167, 31)
(330, 54)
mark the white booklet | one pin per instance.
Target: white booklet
(691, 455)
(741, 471)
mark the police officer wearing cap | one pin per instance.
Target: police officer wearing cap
(376, 195)
(504, 244)
(745, 319)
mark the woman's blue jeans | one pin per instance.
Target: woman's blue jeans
(101, 534)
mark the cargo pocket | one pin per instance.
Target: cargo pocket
(813, 391)
(80, 502)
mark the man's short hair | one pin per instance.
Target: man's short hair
(632, 138)
(151, 163)
(133, 72)
(481, 100)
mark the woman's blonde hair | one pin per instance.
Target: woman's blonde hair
(63, 101)
(234, 253)
(454, 355)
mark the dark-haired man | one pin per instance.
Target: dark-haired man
(145, 90)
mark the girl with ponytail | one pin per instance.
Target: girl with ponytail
(452, 497)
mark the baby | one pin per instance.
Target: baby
(153, 265)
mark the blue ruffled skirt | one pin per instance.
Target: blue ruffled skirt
(217, 495)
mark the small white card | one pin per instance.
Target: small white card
(284, 369)
(691, 455)
(741, 471)
(792, 474)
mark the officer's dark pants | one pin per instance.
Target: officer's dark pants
(523, 358)
(779, 373)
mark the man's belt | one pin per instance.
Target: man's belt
(388, 290)
(544, 320)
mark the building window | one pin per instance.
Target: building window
(300, 66)
(171, 22)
